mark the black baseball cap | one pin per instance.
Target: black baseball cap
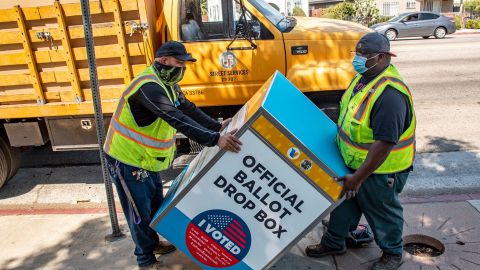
(175, 49)
(374, 43)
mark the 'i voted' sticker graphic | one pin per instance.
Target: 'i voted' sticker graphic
(218, 238)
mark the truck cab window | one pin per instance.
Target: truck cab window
(248, 24)
(218, 20)
(203, 20)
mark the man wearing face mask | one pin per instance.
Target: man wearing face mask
(376, 138)
(141, 142)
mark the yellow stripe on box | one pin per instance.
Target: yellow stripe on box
(256, 101)
(280, 142)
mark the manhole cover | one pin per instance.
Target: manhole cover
(423, 245)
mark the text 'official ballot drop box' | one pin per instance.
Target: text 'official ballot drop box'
(244, 210)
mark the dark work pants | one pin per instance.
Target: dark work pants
(382, 209)
(148, 196)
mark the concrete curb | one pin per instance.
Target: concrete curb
(466, 32)
(444, 173)
(78, 186)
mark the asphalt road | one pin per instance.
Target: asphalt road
(444, 78)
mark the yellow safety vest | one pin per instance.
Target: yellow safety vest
(152, 147)
(355, 136)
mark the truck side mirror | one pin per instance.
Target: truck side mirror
(256, 29)
(253, 30)
(245, 29)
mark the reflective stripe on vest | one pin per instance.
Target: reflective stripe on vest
(366, 146)
(129, 89)
(366, 101)
(131, 134)
(141, 138)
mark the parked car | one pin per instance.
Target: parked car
(416, 24)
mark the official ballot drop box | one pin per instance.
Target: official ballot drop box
(244, 210)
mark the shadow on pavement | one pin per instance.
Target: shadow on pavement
(82, 248)
(441, 144)
(292, 261)
(28, 179)
(451, 171)
(44, 156)
(73, 246)
(44, 167)
(452, 223)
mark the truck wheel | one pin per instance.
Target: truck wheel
(3, 169)
(332, 110)
(10, 158)
(327, 101)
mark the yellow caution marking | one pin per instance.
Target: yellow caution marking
(298, 158)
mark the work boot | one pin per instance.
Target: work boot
(388, 262)
(163, 248)
(154, 266)
(320, 250)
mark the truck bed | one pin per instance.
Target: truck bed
(43, 59)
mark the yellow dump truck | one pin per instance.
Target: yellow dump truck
(45, 94)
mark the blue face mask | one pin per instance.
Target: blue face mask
(359, 63)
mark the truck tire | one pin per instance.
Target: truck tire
(10, 158)
(328, 102)
(3, 169)
(332, 110)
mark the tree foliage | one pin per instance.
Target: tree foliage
(361, 11)
(472, 24)
(342, 11)
(298, 11)
(472, 5)
(366, 11)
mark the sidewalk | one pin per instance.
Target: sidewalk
(56, 218)
(76, 241)
(455, 224)
(467, 32)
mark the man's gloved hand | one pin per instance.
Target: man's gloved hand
(229, 142)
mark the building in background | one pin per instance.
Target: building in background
(316, 7)
(391, 7)
(214, 8)
(395, 7)
(456, 5)
(286, 6)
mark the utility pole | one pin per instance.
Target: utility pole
(100, 125)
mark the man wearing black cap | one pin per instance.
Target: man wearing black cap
(376, 138)
(141, 142)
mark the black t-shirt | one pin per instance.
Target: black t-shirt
(391, 114)
(151, 102)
